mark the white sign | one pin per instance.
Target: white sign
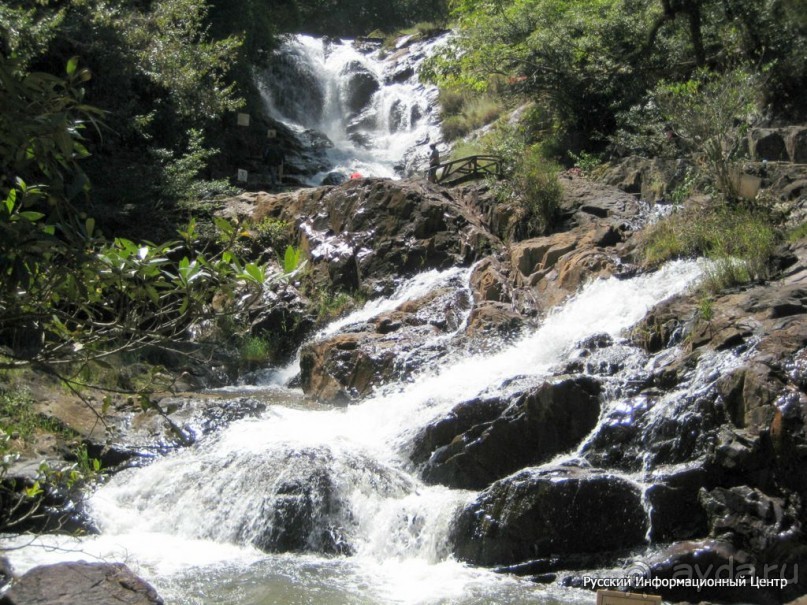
(243, 176)
(614, 597)
(243, 119)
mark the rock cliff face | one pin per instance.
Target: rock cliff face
(696, 465)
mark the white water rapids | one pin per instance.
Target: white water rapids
(327, 86)
(186, 522)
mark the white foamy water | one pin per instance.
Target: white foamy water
(391, 131)
(189, 521)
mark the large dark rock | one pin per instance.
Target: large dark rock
(537, 513)
(674, 509)
(768, 144)
(651, 429)
(81, 582)
(303, 505)
(763, 525)
(358, 86)
(538, 425)
(368, 230)
(459, 420)
(714, 568)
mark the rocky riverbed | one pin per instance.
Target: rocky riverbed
(677, 446)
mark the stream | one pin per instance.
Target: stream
(339, 479)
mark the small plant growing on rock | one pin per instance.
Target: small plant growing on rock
(256, 350)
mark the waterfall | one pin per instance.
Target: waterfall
(365, 105)
(335, 484)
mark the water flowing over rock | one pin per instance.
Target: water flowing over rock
(391, 346)
(371, 108)
(612, 426)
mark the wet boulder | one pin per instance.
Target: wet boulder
(348, 366)
(81, 582)
(753, 521)
(462, 418)
(541, 512)
(537, 425)
(714, 570)
(674, 508)
(653, 429)
(303, 507)
(359, 85)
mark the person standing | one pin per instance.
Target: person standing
(434, 162)
(273, 156)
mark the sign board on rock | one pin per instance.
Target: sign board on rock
(614, 597)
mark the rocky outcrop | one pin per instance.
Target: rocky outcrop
(393, 345)
(535, 426)
(366, 232)
(550, 512)
(303, 504)
(80, 582)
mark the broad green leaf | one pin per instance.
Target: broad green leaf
(71, 65)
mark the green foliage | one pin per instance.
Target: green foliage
(739, 241)
(463, 112)
(564, 55)
(255, 350)
(108, 295)
(711, 113)
(292, 260)
(798, 233)
(540, 191)
(592, 65)
(331, 305)
(531, 181)
(42, 134)
(19, 420)
(585, 162)
(162, 80)
(706, 308)
(181, 175)
(25, 32)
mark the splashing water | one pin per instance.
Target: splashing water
(374, 110)
(192, 522)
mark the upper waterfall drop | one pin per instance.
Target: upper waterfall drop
(363, 105)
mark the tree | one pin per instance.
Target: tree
(712, 112)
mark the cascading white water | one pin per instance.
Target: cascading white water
(372, 108)
(189, 521)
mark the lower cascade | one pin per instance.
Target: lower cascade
(308, 503)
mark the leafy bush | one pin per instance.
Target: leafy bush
(531, 181)
(540, 191)
(331, 305)
(711, 112)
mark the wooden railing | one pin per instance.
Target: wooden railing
(466, 169)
